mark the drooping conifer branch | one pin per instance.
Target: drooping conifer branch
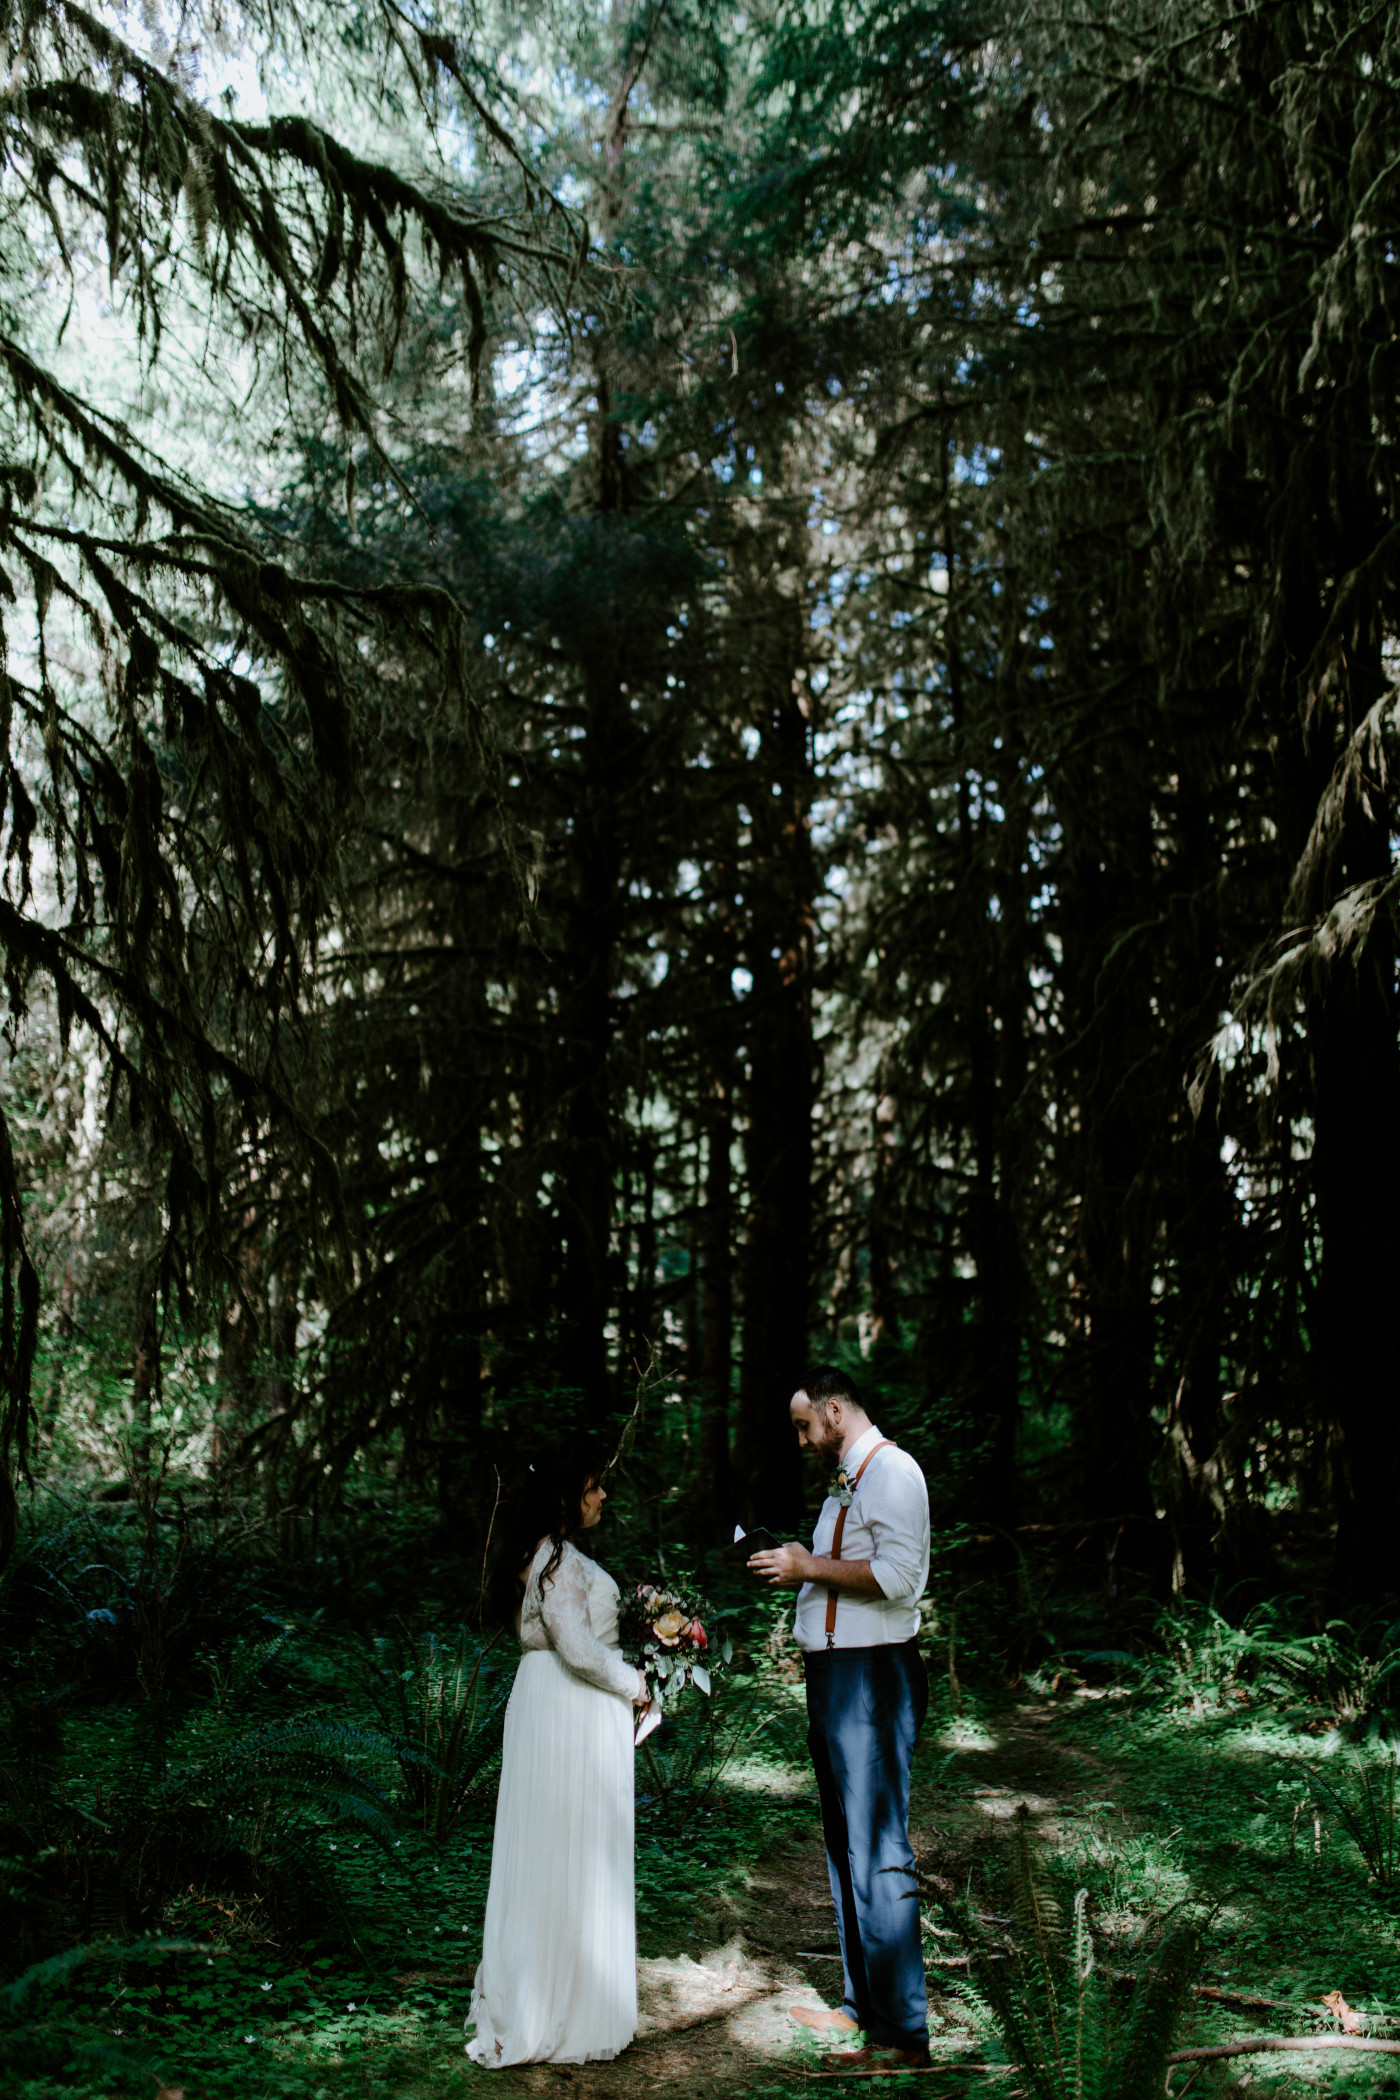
(191, 764)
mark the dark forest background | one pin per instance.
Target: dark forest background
(694, 686)
(687, 687)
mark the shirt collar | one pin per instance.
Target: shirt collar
(859, 1451)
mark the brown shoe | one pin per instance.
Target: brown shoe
(823, 2020)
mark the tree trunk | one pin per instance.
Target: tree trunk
(145, 1369)
(1351, 1030)
(585, 1296)
(717, 1284)
(644, 1334)
(239, 1341)
(695, 1225)
(585, 1293)
(1352, 1023)
(780, 1088)
(884, 1293)
(1357, 1167)
(1199, 1223)
(992, 989)
(1105, 902)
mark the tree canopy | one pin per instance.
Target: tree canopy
(692, 685)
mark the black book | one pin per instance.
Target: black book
(759, 1540)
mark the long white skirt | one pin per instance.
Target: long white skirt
(558, 1975)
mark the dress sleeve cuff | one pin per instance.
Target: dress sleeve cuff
(624, 1677)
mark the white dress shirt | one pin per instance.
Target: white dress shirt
(886, 1524)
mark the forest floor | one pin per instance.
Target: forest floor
(1141, 1807)
(1142, 1801)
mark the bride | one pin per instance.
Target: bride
(558, 1975)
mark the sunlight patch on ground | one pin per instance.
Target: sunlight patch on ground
(965, 1734)
(1243, 1735)
(1003, 1801)
(1270, 1738)
(740, 2000)
(754, 1778)
(680, 1992)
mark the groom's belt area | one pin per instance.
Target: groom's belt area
(823, 1657)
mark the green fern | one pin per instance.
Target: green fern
(443, 1708)
(249, 1820)
(1348, 1669)
(1363, 1795)
(1167, 1961)
(258, 1812)
(1047, 1999)
(52, 1974)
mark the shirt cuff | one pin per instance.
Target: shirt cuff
(895, 1586)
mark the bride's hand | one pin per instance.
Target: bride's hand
(641, 1695)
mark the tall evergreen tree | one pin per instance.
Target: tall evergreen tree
(184, 733)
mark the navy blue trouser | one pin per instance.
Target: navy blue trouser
(865, 1707)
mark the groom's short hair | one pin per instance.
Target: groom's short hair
(825, 1383)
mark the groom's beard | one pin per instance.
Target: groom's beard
(827, 1451)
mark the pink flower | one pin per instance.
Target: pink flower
(697, 1634)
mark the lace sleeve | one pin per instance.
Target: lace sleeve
(564, 1608)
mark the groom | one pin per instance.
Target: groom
(857, 1618)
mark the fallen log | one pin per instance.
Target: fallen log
(1260, 2044)
(1257, 2045)
(911, 2071)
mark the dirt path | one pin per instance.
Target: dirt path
(721, 2024)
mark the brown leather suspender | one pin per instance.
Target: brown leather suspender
(835, 1554)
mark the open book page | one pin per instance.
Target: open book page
(759, 1540)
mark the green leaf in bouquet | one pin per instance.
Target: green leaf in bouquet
(726, 1653)
(700, 1677)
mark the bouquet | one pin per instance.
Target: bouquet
(664, 1635)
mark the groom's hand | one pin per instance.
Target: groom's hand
(782, 1565)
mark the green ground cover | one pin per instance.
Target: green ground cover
(1233, 1801)
(232, 1886)
(331, 1950)
(1226, 1805)
(322, 2020)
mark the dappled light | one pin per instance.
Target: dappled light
(964, 1733)
(700, 1060)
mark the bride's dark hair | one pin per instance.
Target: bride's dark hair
(547, 1503)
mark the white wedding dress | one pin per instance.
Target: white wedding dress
(558, 1975)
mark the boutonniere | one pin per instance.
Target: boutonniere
(845, 1488)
